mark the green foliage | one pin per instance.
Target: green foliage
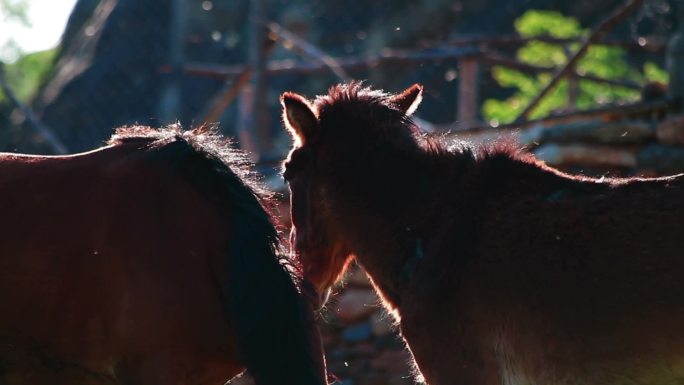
(27, 74)
(601, 61)
(653, 73)
(546, 23)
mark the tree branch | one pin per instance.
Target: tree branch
(597, 34)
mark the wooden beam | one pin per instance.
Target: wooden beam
(309, 50)
(351, 63)
(220, 102)
(494, 59)
(514, 40)
(614, 111)
(288, 67)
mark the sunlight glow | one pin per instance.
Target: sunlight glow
(47, 20)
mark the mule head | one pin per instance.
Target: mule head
(317, 236)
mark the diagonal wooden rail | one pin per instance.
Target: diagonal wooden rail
(231, 89)
(309, 49)
(229, 92)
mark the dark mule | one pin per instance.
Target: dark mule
(501, 270)
(152, 260)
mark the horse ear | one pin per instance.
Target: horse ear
(299, 117)
(408, 100)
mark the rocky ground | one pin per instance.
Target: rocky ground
(361, 339)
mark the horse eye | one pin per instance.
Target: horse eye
(287, 173)
(297, 159)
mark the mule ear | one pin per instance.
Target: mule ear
(299, 117)
(409, 99)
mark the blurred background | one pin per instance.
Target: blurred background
(589, 86)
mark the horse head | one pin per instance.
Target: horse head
(318, 238)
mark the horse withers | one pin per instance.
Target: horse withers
(499, 269)
(153, 260)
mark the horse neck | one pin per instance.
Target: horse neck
(386, 235)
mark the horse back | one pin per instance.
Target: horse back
(541, 277)
(557, 230)
(105, 256)
(580, 278)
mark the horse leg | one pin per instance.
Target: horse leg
(447, 351)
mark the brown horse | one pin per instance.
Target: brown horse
(152, 260)
(500, 269)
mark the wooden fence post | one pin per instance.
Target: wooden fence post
(468, 91)
(171, 97)
(573, 92)
(245, 122)
(253, 121)
(573, 83)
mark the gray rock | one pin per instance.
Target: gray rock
(358, 332)
(586, 155)
(671, 131)
(355, 304)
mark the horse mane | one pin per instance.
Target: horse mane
(263, 294)
(204, 139)
(354, 101)
(353, 92)
(367, 108)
